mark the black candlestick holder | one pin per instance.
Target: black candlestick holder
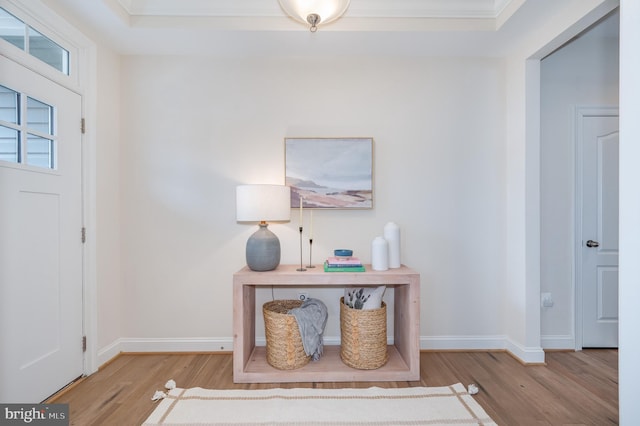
(301, 269)
(310, 265)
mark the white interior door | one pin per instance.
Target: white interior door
(40, 236)
(599, 242)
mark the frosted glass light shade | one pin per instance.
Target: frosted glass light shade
(257, 203)
(328, 10)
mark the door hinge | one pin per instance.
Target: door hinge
(82, 126)
(84, 235)
(84, 343)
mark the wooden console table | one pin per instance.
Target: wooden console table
(250, 363)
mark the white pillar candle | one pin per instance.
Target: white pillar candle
(301, 200)
(379, 254)
(392, 235)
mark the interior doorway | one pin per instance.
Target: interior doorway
(582, 74)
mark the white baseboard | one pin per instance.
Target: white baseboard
(109, 352)
(533, 355)
(196, 344)
(526, 354)
(190, 344)
(469, 343)
(558, 342)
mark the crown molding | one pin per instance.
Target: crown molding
(456, 9)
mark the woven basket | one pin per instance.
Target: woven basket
(284, 344)
(364, 336)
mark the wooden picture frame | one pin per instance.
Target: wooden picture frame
(330, 173)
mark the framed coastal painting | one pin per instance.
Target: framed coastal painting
(330, 173)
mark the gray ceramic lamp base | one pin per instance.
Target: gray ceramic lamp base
(263, 250)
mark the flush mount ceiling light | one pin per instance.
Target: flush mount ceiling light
(314, 12)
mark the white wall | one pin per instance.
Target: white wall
(513, 300)
(195, 127)
(629, 372)
(107, 211)
(582, 73)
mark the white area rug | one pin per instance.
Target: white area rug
(448, 405)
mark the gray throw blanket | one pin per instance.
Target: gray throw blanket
(312, 318)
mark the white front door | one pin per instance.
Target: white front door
(599, 239)
(40, 236)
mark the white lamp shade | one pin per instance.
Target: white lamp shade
(328, 10)
(256, 203)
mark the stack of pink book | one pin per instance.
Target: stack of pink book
(343, 264)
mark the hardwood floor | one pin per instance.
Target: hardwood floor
(574, 388)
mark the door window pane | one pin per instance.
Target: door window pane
(8, 105)
(27, 130)
(36, 44)
(48, 51)
(9, 145)
(39, 116)
(39, 151)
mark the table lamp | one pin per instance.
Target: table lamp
(262, 203)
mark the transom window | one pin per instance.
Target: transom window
(26, 130)
(31, 41)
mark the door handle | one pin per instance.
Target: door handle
(592, 243)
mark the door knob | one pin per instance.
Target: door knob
(592, 243)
